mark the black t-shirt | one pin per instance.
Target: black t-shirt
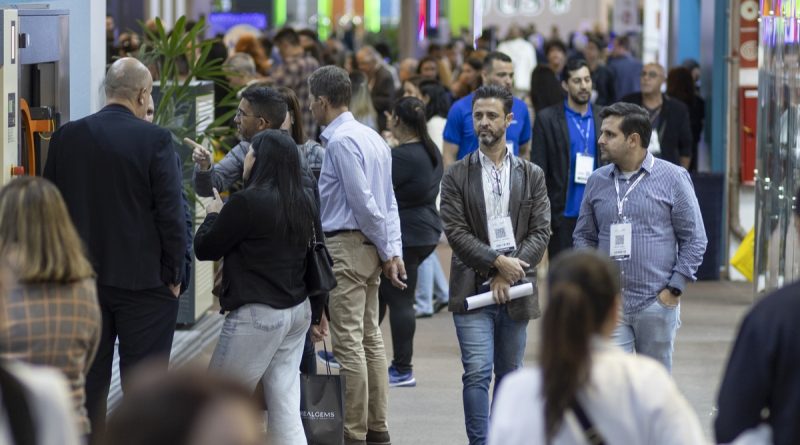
(416, 184)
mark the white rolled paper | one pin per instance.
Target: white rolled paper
(485, 299)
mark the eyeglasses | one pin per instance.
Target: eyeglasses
(650, 74)
(240, 113)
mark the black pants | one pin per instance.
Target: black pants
(561, 239)
(402, 316)
(308, 364)
(144, 321)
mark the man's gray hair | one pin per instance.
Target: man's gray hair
(126, 78)
(241, 64)
(332, 82)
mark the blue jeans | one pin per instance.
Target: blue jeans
(488, 339)
(650, 332)
(431, 284)
(259, 342)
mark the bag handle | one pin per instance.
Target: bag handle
(590, 433)
(327, 362)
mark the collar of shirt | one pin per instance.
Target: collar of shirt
(486, 162)
(336, 123)
(647, 165)
(571, 112)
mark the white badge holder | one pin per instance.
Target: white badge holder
(655, 146)
(584, 166)
(621, 234)
(501, 234)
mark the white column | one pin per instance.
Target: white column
(180, 8)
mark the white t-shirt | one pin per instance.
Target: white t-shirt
(630, 399)
(436, 130)
(524, 55)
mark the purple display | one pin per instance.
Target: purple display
(221, 22)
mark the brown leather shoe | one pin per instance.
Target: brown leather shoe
(378, 438)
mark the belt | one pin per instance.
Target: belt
(333, 233)
(339, 232)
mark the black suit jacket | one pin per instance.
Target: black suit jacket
(550, 150)
(673, 127)
(464, 216)
(122, 187)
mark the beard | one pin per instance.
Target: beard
(581, 98)
(489, 138)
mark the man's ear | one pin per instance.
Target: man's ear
(509, 119)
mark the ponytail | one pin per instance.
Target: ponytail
(567, 327)
(583, 290)
(411, 112)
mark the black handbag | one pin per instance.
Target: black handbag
(319, 275)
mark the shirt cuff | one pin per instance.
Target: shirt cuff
(677, 281)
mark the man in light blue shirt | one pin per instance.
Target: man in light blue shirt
(642, 212)
(362, 230)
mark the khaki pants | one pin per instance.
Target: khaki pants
(356, 336)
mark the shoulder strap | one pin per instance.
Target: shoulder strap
(592, 435)
(16, 406)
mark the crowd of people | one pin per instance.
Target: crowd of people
(501, 157)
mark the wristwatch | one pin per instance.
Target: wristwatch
(675, 291)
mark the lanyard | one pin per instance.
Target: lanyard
(497, 182)
(621, 202)
(584, 134)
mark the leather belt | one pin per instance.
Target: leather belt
(333, 233)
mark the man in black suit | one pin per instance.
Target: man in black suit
(672, 130)
(122, 187)
(379, 80)
(564, 145)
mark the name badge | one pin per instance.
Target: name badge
(620, 243)
(501, 234)
(584, 166)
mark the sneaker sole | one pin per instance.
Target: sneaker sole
(404, 384)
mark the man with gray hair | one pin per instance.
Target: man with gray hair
(379, 81)
(362, 230)
(122, 187)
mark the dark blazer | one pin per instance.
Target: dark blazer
(550, 150)
(464, 215)
(382, 94)
(674, 128)
(118, 176)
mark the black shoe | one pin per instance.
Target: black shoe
(349, 441)
(378, 438)
(438, 306)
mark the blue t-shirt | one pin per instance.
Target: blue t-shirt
(581, 140)
(460, 130)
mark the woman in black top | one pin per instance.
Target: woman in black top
(263, 233)
(416, 174)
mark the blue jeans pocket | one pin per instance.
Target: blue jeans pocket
(267, 319)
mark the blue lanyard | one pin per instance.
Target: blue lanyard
(584, 134)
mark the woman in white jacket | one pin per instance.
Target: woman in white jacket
(585, 390)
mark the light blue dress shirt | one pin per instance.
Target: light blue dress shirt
(355, 185)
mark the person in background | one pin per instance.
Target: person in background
(185, 407)
(50, 312)
(240, 70)
(469, 78)
(263, 233)
(407, 70)
(546, 89)
(585, 390)
(309, 40)
(564, 145)
(602, 78)
(460, 138)
(428, 68)
(379, 82)
(122, 186)
(625, 68)
(249, 44)
(643, 213)
(293, 72)
(416, 174)
(497, 219)
(311, 152)
(760, 386)
(669, 118)
(361, 102)
(524, 59)
(556, 53)
(680, 85)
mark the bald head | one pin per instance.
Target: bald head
(367, 59)
(128, 82)
(652, 78)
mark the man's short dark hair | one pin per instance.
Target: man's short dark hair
(488, 62)
(572, 66)
(635, 119)
(267, 103)
(287, 35)
(494, 92)
(554, 44)
(332, 82)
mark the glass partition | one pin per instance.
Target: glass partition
(776, 246)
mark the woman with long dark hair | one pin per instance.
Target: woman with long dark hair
(263, 232)
(416, 174)
(584, 385)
